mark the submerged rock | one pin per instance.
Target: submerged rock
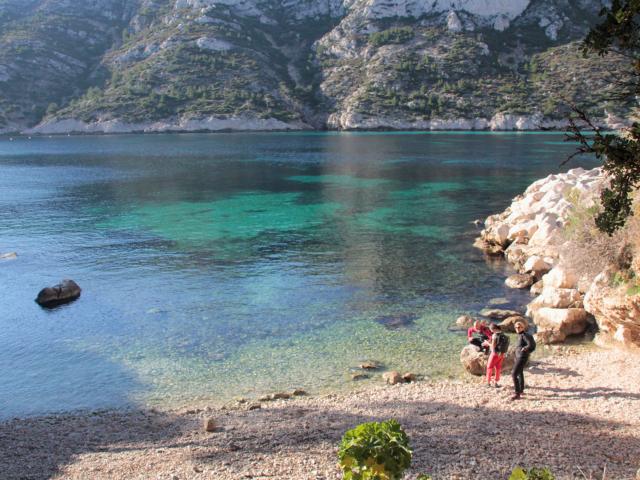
(498, 313)
(465, 321)
(370, 365)
(400, 320)
(65, 292)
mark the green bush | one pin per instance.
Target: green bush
(391, 35)
(375, 451)
(533, 474)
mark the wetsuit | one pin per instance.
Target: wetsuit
(523, 348)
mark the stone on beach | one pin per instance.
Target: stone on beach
(65, 292)
(210, 425)
(475, 360)
(392, 377)
(409, 377)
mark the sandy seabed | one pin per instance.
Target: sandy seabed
(580, 417)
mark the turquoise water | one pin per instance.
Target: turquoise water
(216, 266)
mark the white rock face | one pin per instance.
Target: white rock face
(416, 8)
(453, 22)
(497, 13)
(560, 278)
(172, 125)
(213, 44)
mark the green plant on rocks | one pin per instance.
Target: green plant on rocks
(375, 451)
(533, 474)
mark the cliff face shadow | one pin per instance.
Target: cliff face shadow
(448, 441)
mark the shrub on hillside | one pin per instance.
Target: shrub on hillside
(391, 35)
(590, 250)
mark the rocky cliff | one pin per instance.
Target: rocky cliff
(123, 65)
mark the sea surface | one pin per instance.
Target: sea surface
(226, 265)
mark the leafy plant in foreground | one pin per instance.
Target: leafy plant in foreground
(375, 451)
(534, 474)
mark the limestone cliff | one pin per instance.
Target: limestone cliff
(157, 65)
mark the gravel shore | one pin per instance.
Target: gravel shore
(580, 415)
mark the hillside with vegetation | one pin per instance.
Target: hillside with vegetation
(124, 65)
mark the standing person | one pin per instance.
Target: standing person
(498, 347)
(483, 334)
(525, 346)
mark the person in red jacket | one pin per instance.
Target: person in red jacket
(479, 335)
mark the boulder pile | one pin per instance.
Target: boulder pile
(531, 235)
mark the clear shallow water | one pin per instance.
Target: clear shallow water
(215, 266)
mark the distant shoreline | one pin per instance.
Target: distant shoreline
(292, 131)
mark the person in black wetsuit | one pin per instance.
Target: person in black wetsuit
(524, 346)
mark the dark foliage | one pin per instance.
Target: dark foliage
(620, 33)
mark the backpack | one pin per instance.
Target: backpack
(532, 342)
(502, 343)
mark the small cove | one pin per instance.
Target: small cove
(217, 266)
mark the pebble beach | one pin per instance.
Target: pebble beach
(579, 417)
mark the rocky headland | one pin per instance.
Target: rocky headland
(577, 285)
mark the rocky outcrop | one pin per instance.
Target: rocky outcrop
(65, 292)
(475, 361)
(531, 236)
(616, 311)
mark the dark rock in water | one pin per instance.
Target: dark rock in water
(498, 313)
(397, 321)
(370, 365)
(65, 292)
